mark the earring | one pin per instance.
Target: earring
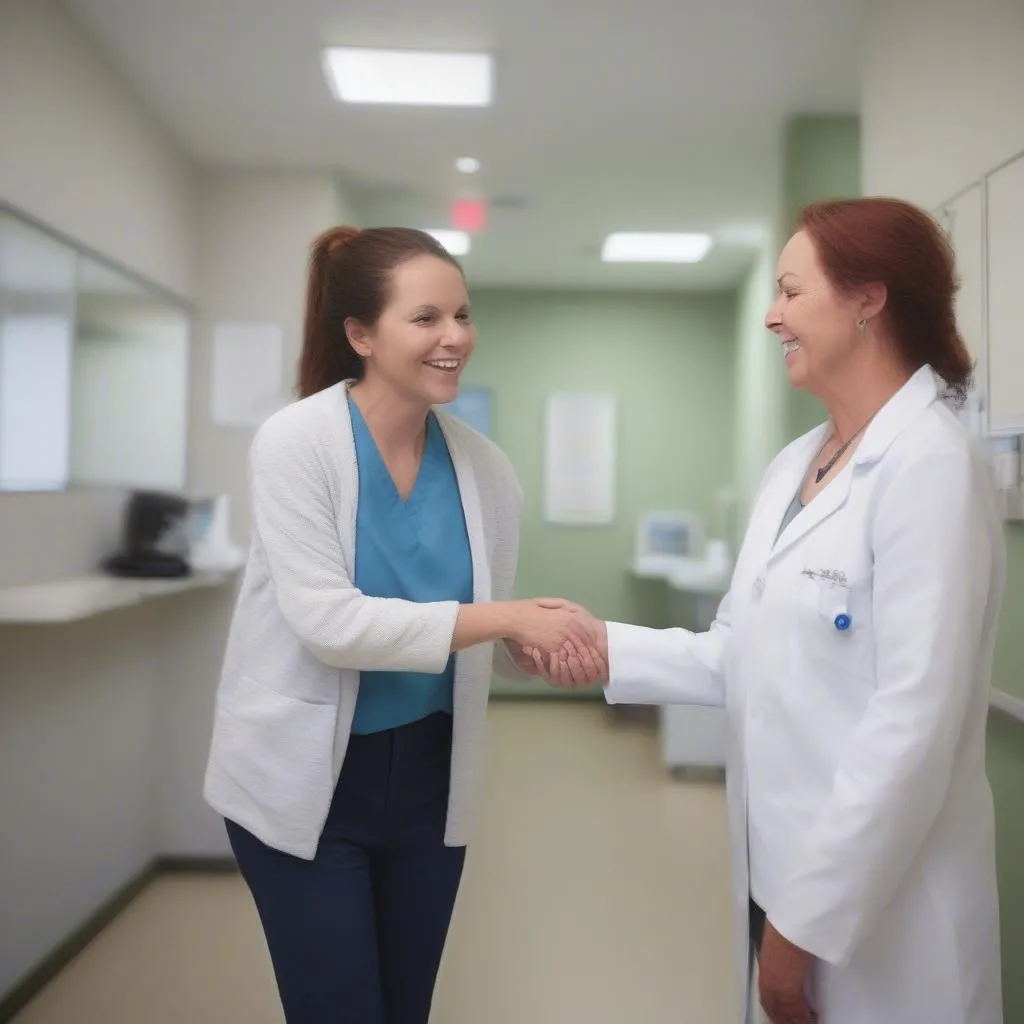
(862, 325)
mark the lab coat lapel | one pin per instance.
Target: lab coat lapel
(781, 488)
(902, 409)
(897, 414)
(832, 498)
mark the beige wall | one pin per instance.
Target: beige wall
(253, 248)
(77, 703)
(83, 155)
(104, 723)
(942, 95)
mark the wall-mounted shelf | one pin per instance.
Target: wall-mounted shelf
(81, 597)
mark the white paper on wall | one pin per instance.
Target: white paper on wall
(579, 458)
(248, 370)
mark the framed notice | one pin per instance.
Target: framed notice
(579, 458)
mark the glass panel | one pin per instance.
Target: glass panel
(93, 370)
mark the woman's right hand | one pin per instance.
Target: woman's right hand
(550, 626)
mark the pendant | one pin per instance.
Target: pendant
(823, 472)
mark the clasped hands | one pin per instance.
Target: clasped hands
(561, 642)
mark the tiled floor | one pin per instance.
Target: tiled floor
(596, 892)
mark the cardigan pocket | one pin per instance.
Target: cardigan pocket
(278, 750)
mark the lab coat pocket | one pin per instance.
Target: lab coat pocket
(831, 619)
(275, 748)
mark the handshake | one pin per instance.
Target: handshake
(560, 642)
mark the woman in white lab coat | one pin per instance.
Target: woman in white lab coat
(853, 651)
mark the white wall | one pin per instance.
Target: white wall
(83, 155)
(77, 703)
(104, 725)
(942, 94)
(76, 728)
(254, 246)
(78, 152)
(943, 102)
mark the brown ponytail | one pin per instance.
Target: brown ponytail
(327, 357)
(349, 274)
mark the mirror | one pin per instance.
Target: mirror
(93, 369)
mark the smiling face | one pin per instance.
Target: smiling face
(816, 324)
(424, 336)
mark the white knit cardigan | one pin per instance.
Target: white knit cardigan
(302, 632)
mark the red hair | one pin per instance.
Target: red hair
(876, 240)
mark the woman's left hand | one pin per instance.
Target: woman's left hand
(782, 978)
(522, 661)
(573, 672)
(583, 666)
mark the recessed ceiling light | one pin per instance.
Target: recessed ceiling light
(467, 164)
(456, 242)
(409, 77)
(654, 247)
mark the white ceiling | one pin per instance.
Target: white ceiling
(609, 114)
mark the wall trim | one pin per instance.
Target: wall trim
(196, 866)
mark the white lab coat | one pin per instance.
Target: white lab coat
(860, 814)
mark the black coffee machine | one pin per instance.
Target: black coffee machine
(155, 537)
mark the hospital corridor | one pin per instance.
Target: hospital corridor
(611, 902)
(511, 512)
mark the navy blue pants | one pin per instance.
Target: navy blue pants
(356, 934)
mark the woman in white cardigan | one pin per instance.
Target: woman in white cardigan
(349, 737)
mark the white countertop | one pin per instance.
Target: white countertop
(81, 597)
(693, 575)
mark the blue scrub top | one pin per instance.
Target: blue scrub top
(417, 550)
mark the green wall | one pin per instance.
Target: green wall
(670, 362)
(1009, 667)
(761, 386)
(1006, 774)
(822, 161)
(822, 156)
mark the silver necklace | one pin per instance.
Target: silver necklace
(823, 472)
